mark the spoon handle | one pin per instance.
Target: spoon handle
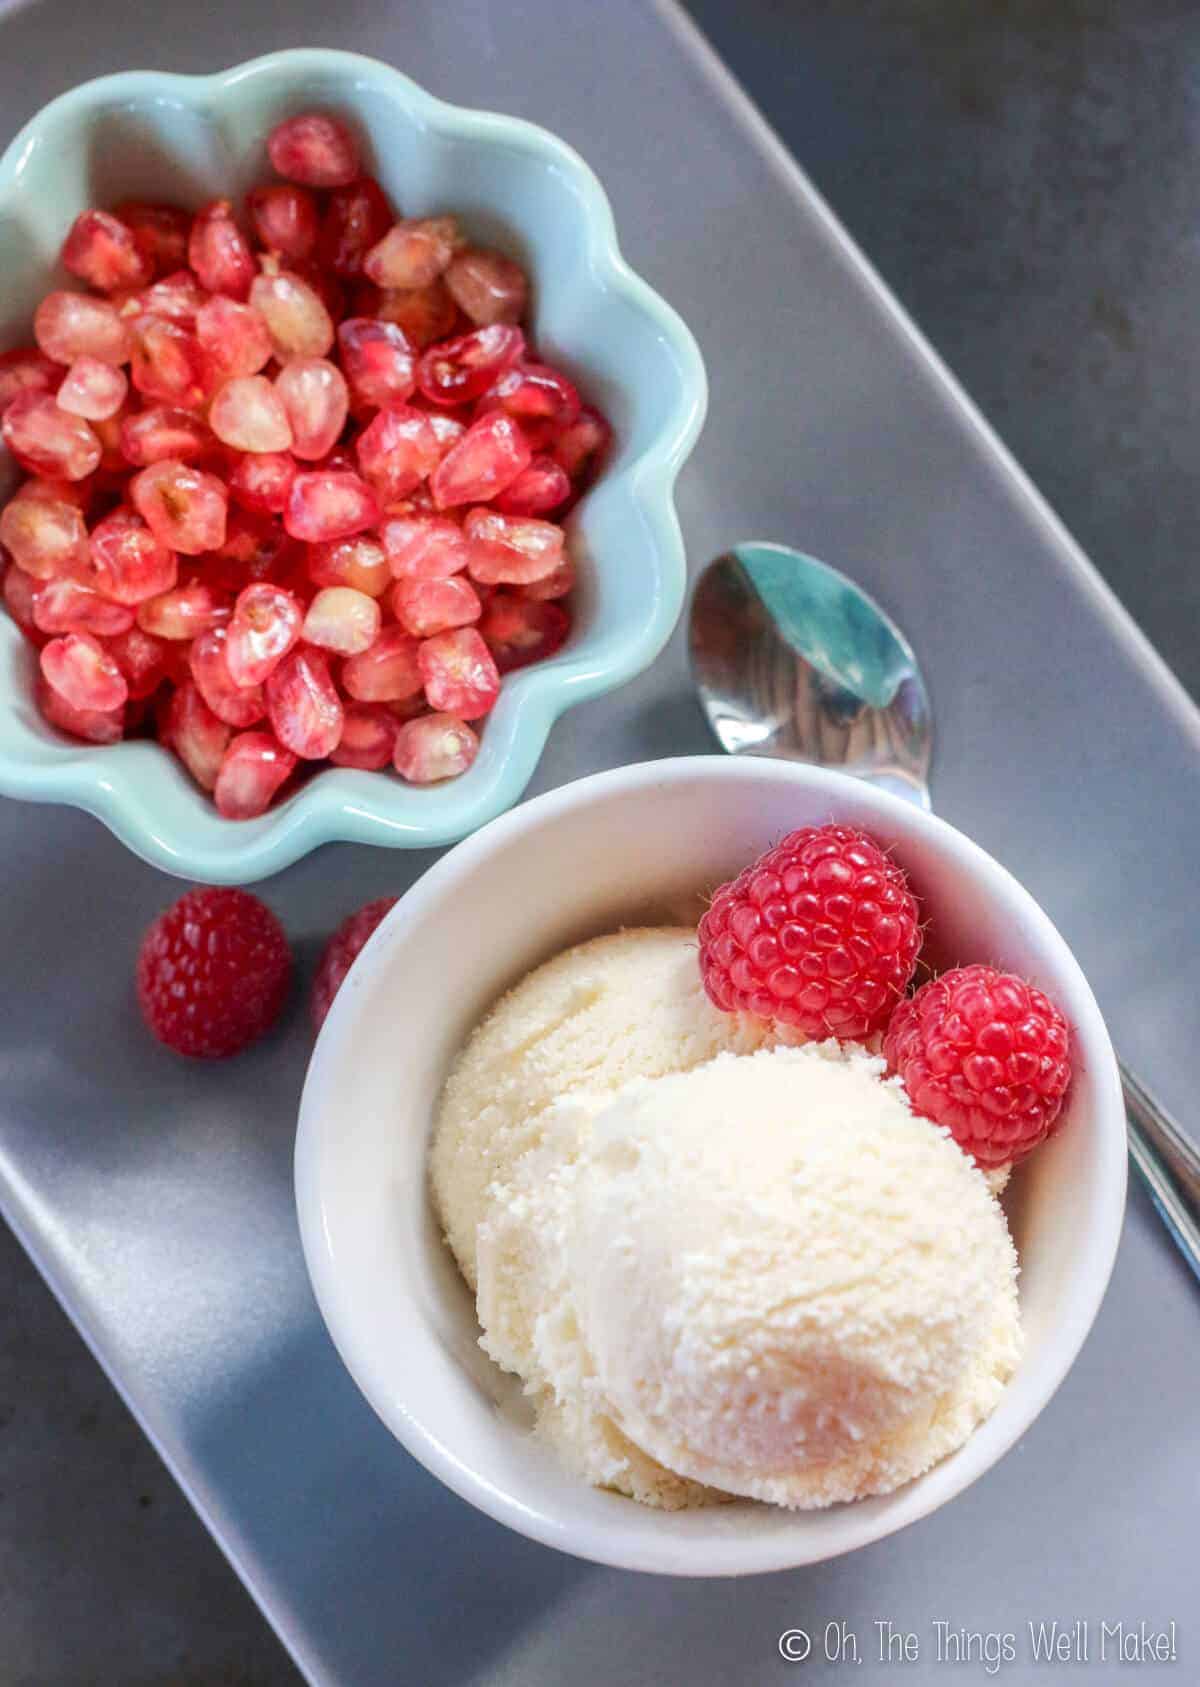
(1169, 1165)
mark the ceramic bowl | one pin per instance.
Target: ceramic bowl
(617, 849)
(188, 138)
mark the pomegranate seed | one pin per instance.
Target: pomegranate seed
(387, 671)
(535, 392)
(141, 658)
(368, 736)
(198, 737)
(329, 506)
(314, 395)
(20, 593)
(46, 489)
(129, 561)
(102, 251)
(359, 563)
(46, 536)
(255, 548)
(71, 325)
(184, 613)
(486, 460)
(487, 287)
(160, 232)
(295, 315)
(341, 460)
(542, 487)
(234, 337)
(68, 606)
(185, 508)
(425, 607)
(219, 253)
(261, 483)
(26, 370)
(434, 747)
(407, 708)
(237, 705)
(248, 415)
(47, 441)
(554, 585)
(284, 219)
(93, 390)
(426, 314)
(152, 436)
(342, 620)
(459, 371)
(266, 624)
(460, 676)
(169, 363)
(254, 767)
(447, 429)
(581, 447)
(424, 547)
(96, 726)
(397, 451)
(315, 150)
(179, 297)
(112, 458)
(378, 360)
(413, 254)
(303, 705)
(358, 216)
(511, 550)
(327, 287)
(519, 631)
(83, 673)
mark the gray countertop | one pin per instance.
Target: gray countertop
(1025, 182)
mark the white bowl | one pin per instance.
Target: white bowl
(584, 859)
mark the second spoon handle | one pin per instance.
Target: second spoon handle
(1169, 1164)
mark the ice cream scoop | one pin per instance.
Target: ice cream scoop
(790, 1287)
(764, 1276)
(624, 1006)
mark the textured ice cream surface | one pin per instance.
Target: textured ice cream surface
(763, 1277)
(789, 1286)
(630, 1005)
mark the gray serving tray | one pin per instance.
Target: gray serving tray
(156, 1198)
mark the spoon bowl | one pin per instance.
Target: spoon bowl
(791, 659)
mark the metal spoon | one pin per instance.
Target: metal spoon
(791, 659)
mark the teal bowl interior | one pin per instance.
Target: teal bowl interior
(147, 134)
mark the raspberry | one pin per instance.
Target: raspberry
(821, 932)
(213, 973)
(341, 952)
(987, 1056)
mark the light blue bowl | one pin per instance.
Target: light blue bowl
(150, 135)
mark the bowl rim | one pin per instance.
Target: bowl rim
(109, 781)
(775, 1549)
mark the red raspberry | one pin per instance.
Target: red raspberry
(821, 932)
(213, 973)
(986, 1055)
(341, 952)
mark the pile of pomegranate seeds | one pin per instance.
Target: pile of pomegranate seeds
(296, 481)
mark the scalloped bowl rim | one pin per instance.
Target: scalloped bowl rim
(115, 783)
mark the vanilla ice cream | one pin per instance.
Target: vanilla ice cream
(625, 1006)
(720, 1267)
